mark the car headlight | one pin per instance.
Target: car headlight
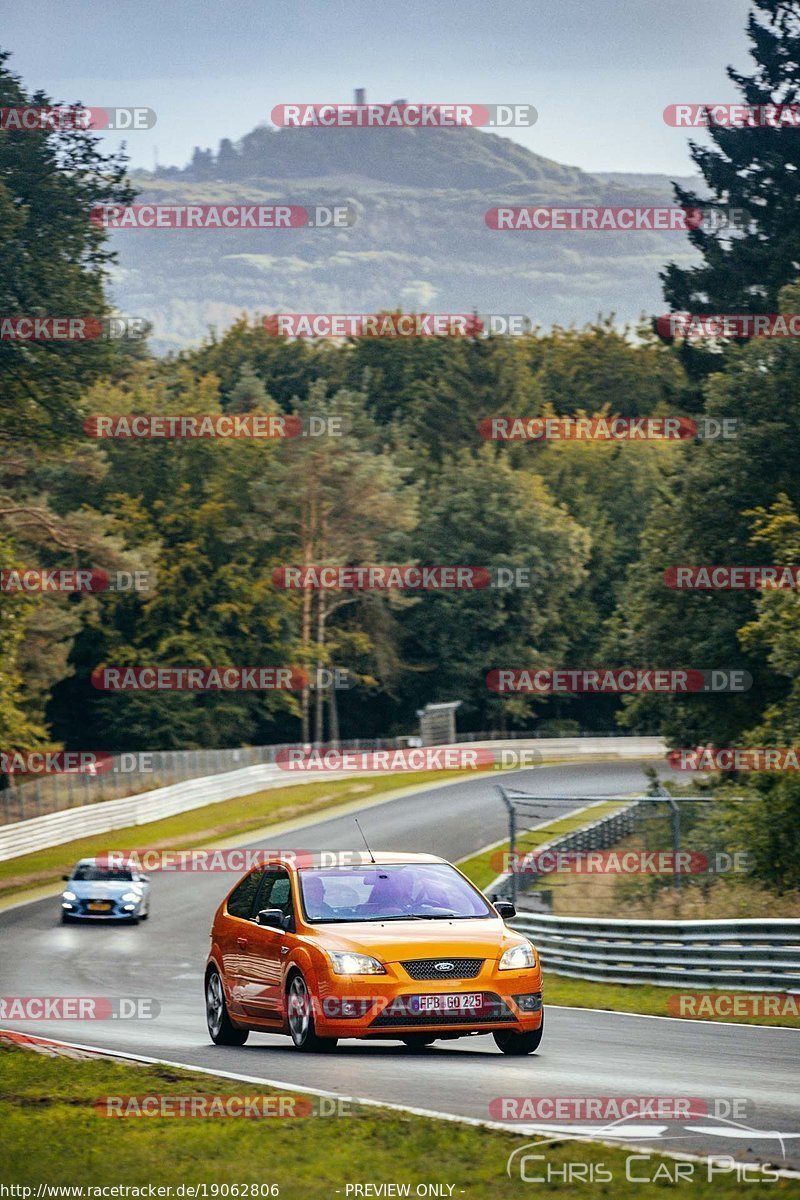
(69, 896)
(347, 963)
(517, 958)
(131, 896)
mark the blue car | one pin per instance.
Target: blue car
(105, 893)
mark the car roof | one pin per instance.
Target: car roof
(357, 858)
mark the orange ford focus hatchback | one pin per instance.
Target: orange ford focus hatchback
(398, 946)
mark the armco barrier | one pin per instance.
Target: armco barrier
(752, 954)
(53, 829)
(132, 772)
(56, 828)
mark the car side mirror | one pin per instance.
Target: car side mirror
(505, 909)
(272, 917)
(144, 879)
(66, 878)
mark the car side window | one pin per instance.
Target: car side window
(277, 893)
(240, 901)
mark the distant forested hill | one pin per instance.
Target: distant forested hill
(420, 241)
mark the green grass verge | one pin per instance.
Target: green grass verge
(53, 1135)
(643, 998)
(207, 825)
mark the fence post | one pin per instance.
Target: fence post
(512, 839)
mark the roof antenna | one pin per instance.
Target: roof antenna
(366, 843)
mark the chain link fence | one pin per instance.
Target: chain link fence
(616, 854)
(128, 774)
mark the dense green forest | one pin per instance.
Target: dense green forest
(409, 481)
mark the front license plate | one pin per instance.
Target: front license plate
(99, 906)
(446, 1002)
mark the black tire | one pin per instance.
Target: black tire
(143, 916)
(415, 1042)
(66, 918)
(300, 1018)
(519, 1043)
(221, 1028)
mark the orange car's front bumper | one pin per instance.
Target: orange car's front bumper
(394, 1005)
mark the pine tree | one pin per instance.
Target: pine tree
(755, 169)
(249, 392)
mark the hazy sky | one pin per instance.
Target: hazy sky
(599, 73)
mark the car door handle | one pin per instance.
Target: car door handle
(241, 943)
(284, 949)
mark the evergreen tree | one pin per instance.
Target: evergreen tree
(754, 169)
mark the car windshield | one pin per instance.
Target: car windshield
(89, 873)
(398, 892)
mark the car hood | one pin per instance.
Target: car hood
(394, 941)
(102, 888)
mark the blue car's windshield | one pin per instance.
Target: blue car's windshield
(400, 891)
(89, 873)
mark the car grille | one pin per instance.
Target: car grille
(494, 1010)
(425, 968)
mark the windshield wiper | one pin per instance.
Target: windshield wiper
(402, 917)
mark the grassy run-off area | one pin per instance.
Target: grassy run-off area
(53, 1134)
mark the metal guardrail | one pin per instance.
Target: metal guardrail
(133, 771)
(136, 772)
(69, 824)
(56, 828)
(753, 954)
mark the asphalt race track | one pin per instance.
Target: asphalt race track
(583, 1053)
